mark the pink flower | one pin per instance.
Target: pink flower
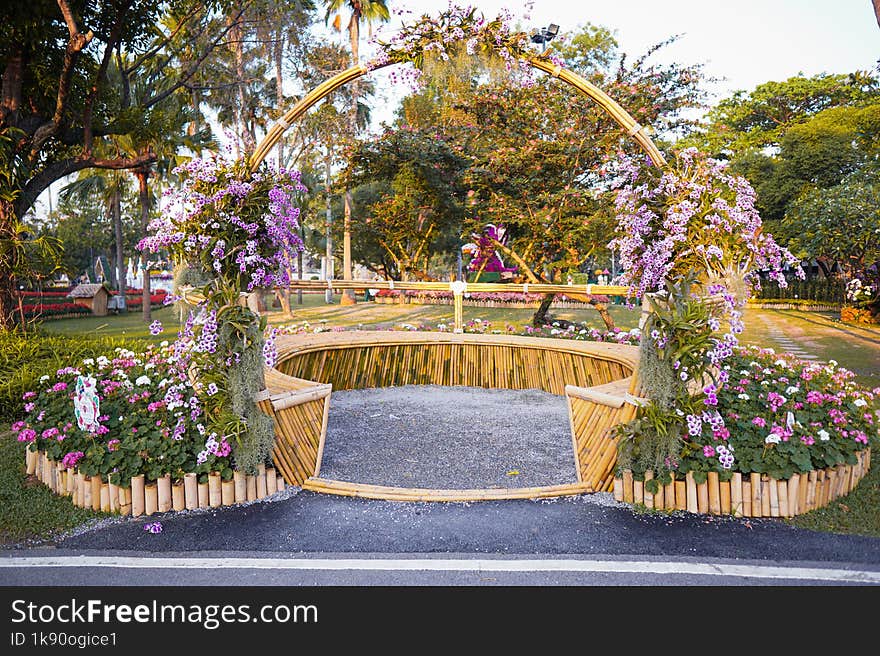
(28, 395)
(708, 451)
(807, 439)
(29, 407)
(759, 421)
(27, 435)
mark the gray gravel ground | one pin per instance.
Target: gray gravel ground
(448, 438)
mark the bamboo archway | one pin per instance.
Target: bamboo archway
(611, 107)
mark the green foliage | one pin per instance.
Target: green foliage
(749, 122)
(26, 357)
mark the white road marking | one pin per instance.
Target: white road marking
(453, 565)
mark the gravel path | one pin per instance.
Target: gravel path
(448, 438)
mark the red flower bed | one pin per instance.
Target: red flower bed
(52, 309)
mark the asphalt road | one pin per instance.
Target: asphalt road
(314, 539)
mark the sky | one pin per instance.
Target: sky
(745, 42)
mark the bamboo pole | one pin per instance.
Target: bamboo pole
(251, 485)
(30, 459)
(736, 495)
(138, 501)
(681, 495)
(79, 499)
(782, 495)
(765, 496)
(114, 497)
(638, 492)
(70, 480)
(261, 481)
(627, 486)
(215, 490)
(747, 499)
(271, 481)
(163, 493)
(227, 492)
(794, 495)
(618, 489)
(95, 484)
(191, 490)
(757, 495)
(203, 495)
(669, 494)
(104, 497)
(280, 484)
(714, 500)
(649, 497)
(125, 500)
(725, 497)
(812, 478)
(692, 501)
(151, 498)
(87, 492)
(774, 494)
(703, 497)
(178, 496)
(240, 486)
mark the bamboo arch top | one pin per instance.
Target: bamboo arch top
(611, 107)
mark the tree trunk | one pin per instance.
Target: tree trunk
(144, 200)
(116, 212)
(348, 297)
(7, 282)
(877, 10)
(540, 317)
(328, 269)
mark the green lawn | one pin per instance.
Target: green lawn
(130, 324)
(28, 509)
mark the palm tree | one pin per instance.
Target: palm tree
(110, 187)
(369, 10)
(26, 257)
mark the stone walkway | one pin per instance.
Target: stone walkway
(785, 342)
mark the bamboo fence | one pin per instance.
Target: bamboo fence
(143, 497)
(752, 495)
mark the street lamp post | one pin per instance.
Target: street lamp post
(545, 34)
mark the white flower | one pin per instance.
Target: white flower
(771, 439)
(89, 362)
(781, 363)
(43, 379)
(143, 380)
(792, 389)
(860, 403)
(743, 397)
(150, 365)
(789, 419)
(768, 371)
(744, 372)
(823, 435)
(765, 382)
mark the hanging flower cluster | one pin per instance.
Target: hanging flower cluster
(692, 216)
(455, 32)
(230, 231)
(242, 227)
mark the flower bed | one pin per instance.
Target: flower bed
(850, 314)
(477, 299)
(745, 495)
(777, 422)
(805, 305)
(53, 310)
